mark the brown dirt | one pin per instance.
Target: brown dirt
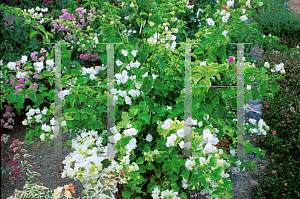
(295, 6)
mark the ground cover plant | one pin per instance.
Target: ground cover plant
(149, 131)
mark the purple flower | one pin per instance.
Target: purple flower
(231, 60)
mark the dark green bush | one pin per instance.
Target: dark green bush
(276, 18)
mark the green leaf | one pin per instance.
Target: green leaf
(143, 13)
(17, 20)
(42, 28)
(76, 72)
(254, 93)
(185, 173)
(147, 84)
(196, 78)
(76, 63)
(32, 34)
(157, 172)
(82, 98)
(144, 116)
(69, 142)
(140, 160)
(67, 62)
(142, 169)
(125, 116)
(77, 116)
(160, 62)
(274, 87)
(91, 102)
(126, 194)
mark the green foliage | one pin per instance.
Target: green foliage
(278, 19)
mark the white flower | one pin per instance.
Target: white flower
(200, 124)
(203, 63)
(31, 112)
(125, 53)
(169, 107)
(122, 93)
(180, 133)
(42, 137)
(248, 4)
(232, 152)
(272, 70)
(252, 121)
(149, 138)
(253, 130)
(113, 91)
(63, 123)
(145, 75)
(24, 59)
(167, 124)
(238, 163)
(223, 12)
(224, 33)
(117, 137)
(50, 62)
(39, 66)
(131, 5)
(224, 19)
(93, 77)
(128, 100)
(133, 52)
(119, 63)
(230, 3)
(1, 64)
(278, 67)
(127, 17)
(210, 22)
(154, 76)
(189, 164)
(206, 118)
(260, 3)
(181, 144)
(243, 11)
(267, 65)
(11, 65)
(53, 122)
(248, 87)
(24, 122)
(21, 75)
(243, 18)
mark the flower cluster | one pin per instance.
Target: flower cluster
(168, 36)
(39, 117)
(85, 164)
(167, 193)
(260, 130)
(8, 114)
(35, 15)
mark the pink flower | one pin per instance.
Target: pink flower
(282, 122)
(42, 58)
(42, 50)
(36, 77)
(231, 60)
(274, 132)
(16, 178)
(8, 165)
(26, 96)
